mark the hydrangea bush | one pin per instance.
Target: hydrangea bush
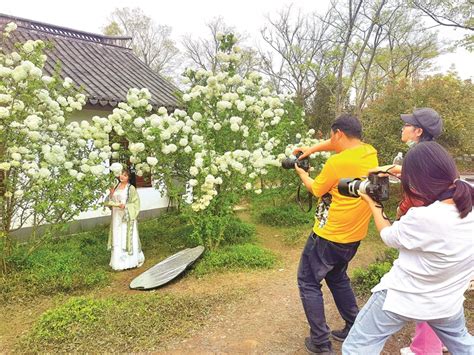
(50, 168)
(228, 142)
(233, 134)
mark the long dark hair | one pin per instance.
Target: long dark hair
(132, 177)
(429, 171)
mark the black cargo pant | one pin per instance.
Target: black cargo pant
(323, 259)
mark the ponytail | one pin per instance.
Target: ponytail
(463, 197)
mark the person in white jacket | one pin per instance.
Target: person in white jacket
(436, 262)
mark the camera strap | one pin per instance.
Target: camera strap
(300, 203)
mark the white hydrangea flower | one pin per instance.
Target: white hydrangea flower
(136, 147)
(33, 122)
(152, 161)
(5, 166)
(29, 46)
(187, 97)
(116, 168)
(223, 105)
(162, 111)
(11, 26)
(5, 99)
(16, 156)
(97, 169)
(4, 112)
(44, 172)
(165, 135)
(139, 122)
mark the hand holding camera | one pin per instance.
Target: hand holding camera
(289, 163)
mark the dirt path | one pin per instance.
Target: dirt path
(270, 318)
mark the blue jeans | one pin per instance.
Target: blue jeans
(374, 326)
(322, 259)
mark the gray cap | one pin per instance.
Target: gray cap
(426, 118)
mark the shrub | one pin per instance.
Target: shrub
(364, 279)
(289, 215)
(236, 257)
(169, 231)
(238, 232)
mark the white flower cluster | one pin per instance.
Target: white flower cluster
(9, 27)
(231, 137)
(41, 145)
(232, 134)
(139, 98)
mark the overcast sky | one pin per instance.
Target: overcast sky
(190, 17)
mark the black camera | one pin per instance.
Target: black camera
(375, 186)
(289, 163)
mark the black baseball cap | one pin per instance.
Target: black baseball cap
(425, 118)
(348, 124)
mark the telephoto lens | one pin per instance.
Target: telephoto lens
(374, 186)
(349, 187)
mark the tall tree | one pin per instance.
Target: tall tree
(202, 52)
(451, 13)
(297, 58)
(150, 42)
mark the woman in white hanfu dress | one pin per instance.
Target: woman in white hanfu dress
(123, 234)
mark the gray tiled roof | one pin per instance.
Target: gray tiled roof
(102, 65)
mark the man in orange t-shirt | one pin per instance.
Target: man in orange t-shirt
(341, 222)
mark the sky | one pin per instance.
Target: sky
(191, 16)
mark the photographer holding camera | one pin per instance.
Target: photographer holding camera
(341, 222)
(423, 125)
(435, 265)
